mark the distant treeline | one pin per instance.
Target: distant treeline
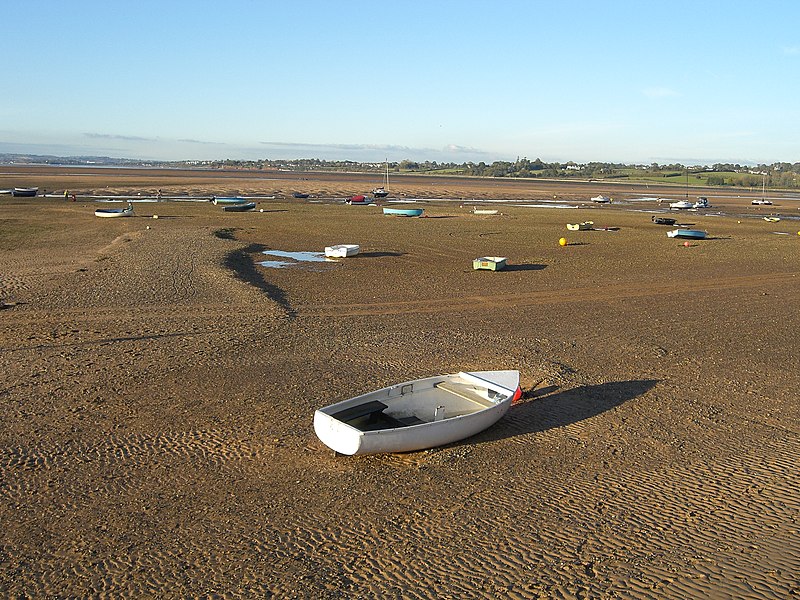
(782, 175)
(776, 175)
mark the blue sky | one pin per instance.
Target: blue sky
(691, 82)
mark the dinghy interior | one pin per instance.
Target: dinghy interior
(420, 402)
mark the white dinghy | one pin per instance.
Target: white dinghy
(115, 212)
(418, 414)
(342, 250)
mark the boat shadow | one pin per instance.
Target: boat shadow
(525, 267)
(378, 254)
(542, 410)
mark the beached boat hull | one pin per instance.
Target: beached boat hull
(342, 250)
(418, 414)
(228, 201)
(380, 193)
(24, 192)
(663, 220)
(692, 234)
(681, 205)
(485, 211)
(403, 212)
(489, 263)
(247, 206)
(114, 212)
(585, 226)
(601, 199)
(358, 200)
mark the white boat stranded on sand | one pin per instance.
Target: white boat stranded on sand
(114, 212)
(342, 250)
(601, 199)
(681, 205)
(418, 414)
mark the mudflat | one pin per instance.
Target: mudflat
(157, 389)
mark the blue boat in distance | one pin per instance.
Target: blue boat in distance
(228, 200)
(403, 212)
(692, 234)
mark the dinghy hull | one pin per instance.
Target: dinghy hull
(419, 414)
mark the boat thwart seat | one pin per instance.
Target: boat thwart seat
(465, 393)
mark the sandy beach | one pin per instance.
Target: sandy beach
(158, 385)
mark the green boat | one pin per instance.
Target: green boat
(489, 263)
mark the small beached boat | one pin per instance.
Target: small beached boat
(763, 201)
(228, 200)
(663, 220)
(702, 202)
(601, 199)
(418, 414)
(681, 205)
(586, 225)
(403, 212)
(114, 212)
(489, 263)
(299, 195)
(772, 219)
(692, 234)
(25, 192)
(8, 192)
(342, 250)
(484, 211)
(247, 206)
(358, 200)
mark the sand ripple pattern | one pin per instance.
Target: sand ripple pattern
(209, 447)
(724, 523)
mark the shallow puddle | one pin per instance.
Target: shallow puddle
(295, 259)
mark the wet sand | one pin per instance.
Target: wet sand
(158, 387)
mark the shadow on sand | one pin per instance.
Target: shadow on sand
(242, 264)
(537, 413)
(529, 267)
(378, 254)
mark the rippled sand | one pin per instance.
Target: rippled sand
(157, 388)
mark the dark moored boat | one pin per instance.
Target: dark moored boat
(25, 192)
(663, 220)
(247, 206)
(300, 195)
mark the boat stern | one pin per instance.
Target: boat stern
(339, 437)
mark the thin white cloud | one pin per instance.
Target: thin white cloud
(191, 141)
(659, 92)
(127, 138)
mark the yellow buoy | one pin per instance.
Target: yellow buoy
(562, 242)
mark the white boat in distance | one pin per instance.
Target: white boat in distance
(418, 414)
(342, 250)
(601, 199)
(114, 212)
(681, 205)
